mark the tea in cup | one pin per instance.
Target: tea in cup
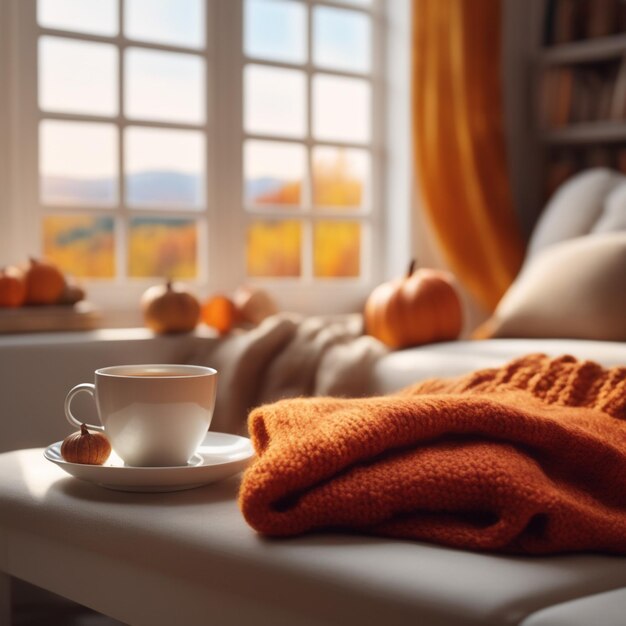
(153, 415)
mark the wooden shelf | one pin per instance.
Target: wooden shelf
(585, 51)
(30, 319)
(592, 132)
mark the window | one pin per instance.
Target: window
(308, 128)
(218, 141)
(122, 95)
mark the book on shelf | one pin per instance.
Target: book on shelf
(575, 94)
(600, 17)
(618, 104)
(566, 18)
(620, 160)
(583, 101)
(555, 98)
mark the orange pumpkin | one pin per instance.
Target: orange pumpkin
(12, 287)
(422, 307)
(253, 305)
(170, 308)
(220, 313)
(72, 293)
(44, 283)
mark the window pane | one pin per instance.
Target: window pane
(341, 108)
(81, 245)
(173, 22)
(78, 163)
(276, 30)
(275, 101)
(274, 173)
(164, 168)
(361, 3)
(160, 246)
(337, 249)
(77, 76)
(342, 39)
(274, 248)
(99, 17)
(340, 177)
(164, 86)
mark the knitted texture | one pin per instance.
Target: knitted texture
(526, 458)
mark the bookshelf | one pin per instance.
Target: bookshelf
(565, 88)
(580, 103)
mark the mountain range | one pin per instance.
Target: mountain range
(155, 187)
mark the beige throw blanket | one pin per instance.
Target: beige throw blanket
(288, 356)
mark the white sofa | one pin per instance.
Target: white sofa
(188, 556)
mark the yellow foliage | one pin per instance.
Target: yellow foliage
(289, 193)
(337, 248)
(160, 249)
(84, 245)
(274, 248)
(80, 245)
(334, 184)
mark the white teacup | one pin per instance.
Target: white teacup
(153, 415)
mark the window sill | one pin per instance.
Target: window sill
(101, 335)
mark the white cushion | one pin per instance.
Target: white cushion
(613, 218)
(574, 289)
(404, 367)
(576, 207)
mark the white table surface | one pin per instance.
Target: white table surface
(189, 558)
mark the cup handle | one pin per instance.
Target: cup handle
(90, 389)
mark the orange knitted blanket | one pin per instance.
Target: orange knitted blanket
(526, 458)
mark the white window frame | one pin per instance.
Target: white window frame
(221, 270)
(119, 292)
(369, 218)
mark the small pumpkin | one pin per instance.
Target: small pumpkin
(253, 305)
(170, 308)
(220, 313)
(44, 282)
(12, 287)
(85, 447)
(422, 307)
(71, 294)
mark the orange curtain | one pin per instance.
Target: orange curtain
(459, 141)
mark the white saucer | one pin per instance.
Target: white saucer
(218, 457)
